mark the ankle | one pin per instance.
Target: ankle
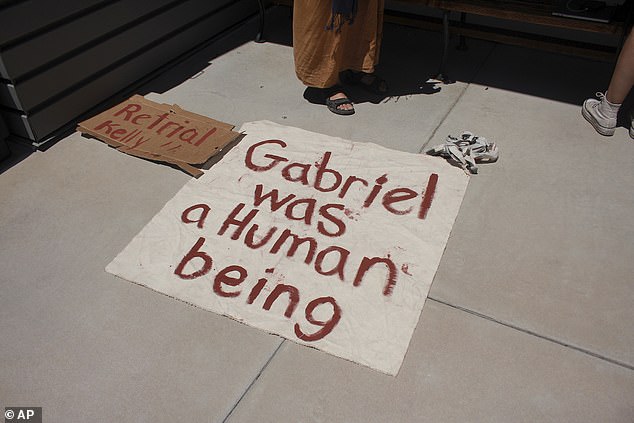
(607, 108)
(612, 98)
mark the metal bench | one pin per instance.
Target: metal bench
(537, 12)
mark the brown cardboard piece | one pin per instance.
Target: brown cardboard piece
(160, 132)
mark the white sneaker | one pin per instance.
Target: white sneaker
(603, 124)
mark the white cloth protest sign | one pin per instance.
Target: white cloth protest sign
(327, 242)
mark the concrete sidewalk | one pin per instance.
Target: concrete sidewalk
(529, 318)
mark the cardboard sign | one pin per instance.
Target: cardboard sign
(329, 243)
(160, 132)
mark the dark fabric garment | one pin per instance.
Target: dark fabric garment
(343, 11)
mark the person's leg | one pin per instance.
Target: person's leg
(623, 76)
(362, 47)
(602, 113)
(314, 50)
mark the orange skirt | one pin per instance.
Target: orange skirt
(320, 54)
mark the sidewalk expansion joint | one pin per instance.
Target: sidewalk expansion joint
(255, 379)
(433, 134)
(535, 334)
(425, 145)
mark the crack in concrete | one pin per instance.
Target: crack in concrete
(535, 334)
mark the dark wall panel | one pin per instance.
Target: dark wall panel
(18, 124)
(75, 60)
(121, 46)
(51, 45)
(9, 97)
(30, 16)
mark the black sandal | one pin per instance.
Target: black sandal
(334, 105)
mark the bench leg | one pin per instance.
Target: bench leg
(442, 72)
(259, 37)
